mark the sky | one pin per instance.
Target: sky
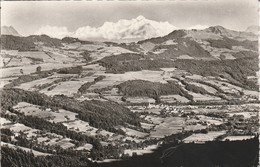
(29, 16)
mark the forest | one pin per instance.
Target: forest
(154, 90)
(99, 114)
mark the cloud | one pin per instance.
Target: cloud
(53, 31)
(139, 27)
(198, 27)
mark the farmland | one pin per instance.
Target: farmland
(102, 101)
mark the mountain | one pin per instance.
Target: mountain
(5, 30)
(213, 51)
(139, 27)
(231, 33)
(252, 29)
(136, 28)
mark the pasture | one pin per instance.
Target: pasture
(202, 138)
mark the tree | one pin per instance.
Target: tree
(38, 69)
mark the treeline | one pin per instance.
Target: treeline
(52, 85)
(17, 157)
(194, 88)
(83, 88)
(28, 78)
(70, 70)
(100, 114)
(135, 88)
(132, 62)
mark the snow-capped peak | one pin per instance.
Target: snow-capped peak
(140, 17)
(135, 28)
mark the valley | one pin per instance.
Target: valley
(105, 102)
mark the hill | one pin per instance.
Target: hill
(10, 42)
(45, 40)
(214, 51)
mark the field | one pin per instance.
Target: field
(65, 117)
(38, 135)
(201, 97)
(147, 75)
(201, 138)
(34, 110)
(237, 138)
(69, 88)
(29, 69)
(140, 100)
(134, 133)
(165, 126)
(246, 115)
(85, 147)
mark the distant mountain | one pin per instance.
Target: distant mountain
(9, 30)
(213, 33)
(252, 29)
(239, 35)
(136, 28)
(139, 27)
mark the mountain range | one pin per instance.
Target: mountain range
(134, 29)
(139, 27)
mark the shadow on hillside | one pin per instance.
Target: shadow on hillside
(211, 154)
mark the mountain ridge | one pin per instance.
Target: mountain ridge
(9, 30)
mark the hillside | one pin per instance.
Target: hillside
(10, 42)
(71, 102)
(214, 51)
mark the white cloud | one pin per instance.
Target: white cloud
(53, 31)
(198, 27)
(139, 27)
